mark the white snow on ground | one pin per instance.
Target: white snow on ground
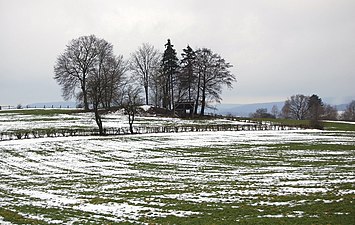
(43, 162)
(127, 178)
(146, 107)
(13, 121)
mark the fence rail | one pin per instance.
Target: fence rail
(62, 132)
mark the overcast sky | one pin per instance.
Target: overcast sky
(278, 47)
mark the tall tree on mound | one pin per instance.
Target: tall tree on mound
(144, 62)
(74, 65)
(213, 73)
(187, 78)
(89, 69)
(169, 67)
(97, 80)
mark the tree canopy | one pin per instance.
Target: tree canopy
(89, 71)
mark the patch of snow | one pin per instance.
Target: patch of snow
(146, 107)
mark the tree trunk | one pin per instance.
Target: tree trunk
(130, 121)
(190, 81)
(86, 104)
(172, 92)
(156, 96)
(203, 101)
(85, 94)
(146, 94)
(166, 93)
(198, 93)
(131, 128)
(98, 121)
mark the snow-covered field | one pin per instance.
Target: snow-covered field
(14, 121)
(223, 176)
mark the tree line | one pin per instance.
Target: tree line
(312, 108)
(89, 71)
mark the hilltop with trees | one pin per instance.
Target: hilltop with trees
(89, 71)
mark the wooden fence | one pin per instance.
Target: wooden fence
(51, 132)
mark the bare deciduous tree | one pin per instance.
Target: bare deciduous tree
(97, 80)
(132, 101)
(88, 64)
(143, 63)
(213, 74)
(329, 112)
(157, 83)
(74, 65)
(349, 113)
(275, 111)
(114, 77)
(296, 107)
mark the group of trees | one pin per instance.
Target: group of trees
(312, 108)
(263, 113)
(89, 71)
(349, 113)
(198, 77)
(302, 107)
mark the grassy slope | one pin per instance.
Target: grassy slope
(39, 112)
(339, 126)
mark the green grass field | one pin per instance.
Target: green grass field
(225, 178)
(232, 177)
(39, 112)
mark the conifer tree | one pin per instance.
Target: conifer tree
(170, 68)
(315, 107)
(188, 76)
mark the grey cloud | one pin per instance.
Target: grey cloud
(278, 48)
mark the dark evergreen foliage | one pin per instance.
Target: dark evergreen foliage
(170, 66)
(188, 76)
(315, 109)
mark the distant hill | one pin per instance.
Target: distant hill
(341, 107)
(245, 109)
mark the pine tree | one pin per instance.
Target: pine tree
(170, 68)
(315, 107)
(188, 76)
